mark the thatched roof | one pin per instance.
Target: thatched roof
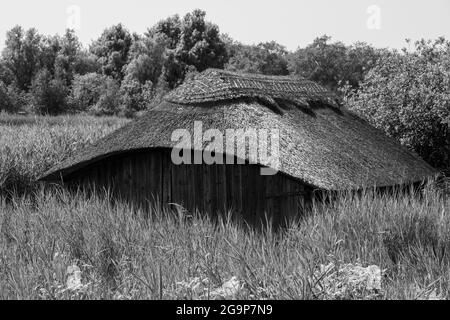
(321, 143)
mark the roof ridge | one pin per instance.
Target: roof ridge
(213, 85)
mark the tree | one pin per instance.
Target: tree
(6, 75)
(12, 99)
(112, 50)
(265, 58)
(95, 93)
(67, 56)
(50, 48)
(169, 28)
(146, 59)
(109, 100)
(406, 95)
(86, 90)
(200, 44)
(333, 64)
(48, 96)
(190, 43)
(5, 100)
(22, 54)
(85, 62)
(134, 96)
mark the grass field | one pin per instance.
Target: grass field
(31, 145)
(123, 253)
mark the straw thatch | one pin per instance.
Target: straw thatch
(321, 143)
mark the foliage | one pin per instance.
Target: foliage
(406, 95)
(333, 64)
(48, 96)
(265, 58)
(6, 104)
(21, 55)
(108, 102)
(134, 96)
(191, 43)
(146, 59)
(95, 93)
(67, 55)
(112, 50)
(6, 75)
(86, 90)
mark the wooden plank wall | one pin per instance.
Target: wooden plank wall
(144, 177)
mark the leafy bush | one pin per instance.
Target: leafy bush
(48, 96)
(406, 95)
(112, 50)
(95, 93)
(109, 100)
(134, 96)
(333, 64)
(5, 100)
(264, 58)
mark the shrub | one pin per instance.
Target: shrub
(407, 96)
(109, 100)
(48, 96)
(134, 96)
(95, 93)
(12, 99)
(86, 90)
(5, 101)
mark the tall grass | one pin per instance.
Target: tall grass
(31, 145)
(126, 254)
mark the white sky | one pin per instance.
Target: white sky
(292, 23)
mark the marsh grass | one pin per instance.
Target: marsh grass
(30, 145)
(125, 253)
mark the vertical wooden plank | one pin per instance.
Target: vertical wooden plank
(278, 189)
(260, 195)
(158, 172)
(207, 197)
(199, 188)
(126, 186)
(151, 176)
(115, 177)
(244, 192)
(108, 174)
(270, 200)
(237, 187)
(166, 171)
(135, 180)
(189, 187)
(178, 184)
(230, 205)
(221, 188)
(213, 186)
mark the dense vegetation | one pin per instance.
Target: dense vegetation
(408, 97)
(29, 146)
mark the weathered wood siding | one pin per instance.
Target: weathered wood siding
(143, 177)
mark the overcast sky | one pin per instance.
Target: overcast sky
(292, 23)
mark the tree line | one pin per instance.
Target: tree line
(121, 72)
(405, 93)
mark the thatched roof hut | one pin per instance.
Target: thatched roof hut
(321, 144)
